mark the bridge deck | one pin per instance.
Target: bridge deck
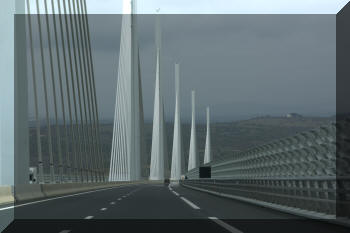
(178, 208)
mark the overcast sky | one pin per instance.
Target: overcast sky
(214, 6)
(221, 6)
(240, 65)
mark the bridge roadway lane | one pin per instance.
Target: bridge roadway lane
(156, 208)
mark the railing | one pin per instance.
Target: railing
(65, 179)
(57, 179)
(193, 174)
(306, 193)
(306, 172)
(309, 153)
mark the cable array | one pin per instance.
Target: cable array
(72, 143)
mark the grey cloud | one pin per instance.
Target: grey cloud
(240, 65)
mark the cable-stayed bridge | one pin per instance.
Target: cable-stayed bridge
(299, 183)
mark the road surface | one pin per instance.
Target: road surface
(154, 208)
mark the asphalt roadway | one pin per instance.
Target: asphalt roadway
(154, 208)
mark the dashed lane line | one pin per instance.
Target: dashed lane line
(103, 209)
(112, 203)
(176, 193)
(190, 203)
(215, 219)
(89, 217)
(65, 231)
(225, 225)
(55, 198)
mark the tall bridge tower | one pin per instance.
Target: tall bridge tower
(159, 153)
(177, 162)
(193, 154)
(127, 142)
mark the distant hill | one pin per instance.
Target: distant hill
(226, 137)
(286, 121)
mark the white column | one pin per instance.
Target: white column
(21, 131)
(177, 162)
(7, 11)
(207, 151)
(127, 146)
(158, 151)
(193, 154)
(14, 147)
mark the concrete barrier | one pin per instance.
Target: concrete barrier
(52, 190)
(28, 192)
(6, 196)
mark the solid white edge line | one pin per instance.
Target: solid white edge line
(55, 198)
(89, 217)
(190, 203)
(225, 225)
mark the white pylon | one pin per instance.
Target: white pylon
(127, 143)
(207, 151)
(159, 149)
(193, 154)
(177, 161)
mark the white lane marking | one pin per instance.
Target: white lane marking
(124, 196)
(55, 198)
(89, 217)
(225, 225)
(103, 209)
(65, 231)
(119, 199)
(190, 203)
(112, 203)
(135, 190)
(176, 193)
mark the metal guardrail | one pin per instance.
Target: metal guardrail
(311, 153)
(312, 194)
(65, 179)
(309, 171)
(193, 174)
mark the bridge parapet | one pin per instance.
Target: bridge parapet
(308, 196)
(309, 153)
(306, 174)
